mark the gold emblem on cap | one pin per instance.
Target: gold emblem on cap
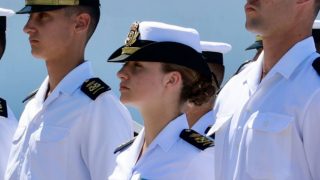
(258, 38)
(52, 2)
(133, 34)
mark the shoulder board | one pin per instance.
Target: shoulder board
(33, 93)
(94, 87)
(123, 146)
(243, 66)
(3, 108)
(196, 139)
(316, 65)
(213, 136)
(208, 129)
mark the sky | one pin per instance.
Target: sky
(220, 21)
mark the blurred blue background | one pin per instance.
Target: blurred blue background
(222, 21)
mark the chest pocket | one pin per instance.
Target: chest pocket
(269, 143)
(270, 122)
(50, 144)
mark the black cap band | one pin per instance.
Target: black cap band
(38, 8)
(166, 52)
(43, 5)
(3, 23)
(213, 57)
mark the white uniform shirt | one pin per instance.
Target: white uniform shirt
(68, 136)
(167, 157)
(204, 123)
(270, 130)
(7, 128)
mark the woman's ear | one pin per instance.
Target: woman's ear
(82, 22)
(172, 79)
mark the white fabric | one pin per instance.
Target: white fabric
(203, 123)
(68, 136)
(7, 129)
(160, 32)
(167, 157)
(270, 130)
(218, 47)
(6, 12)
(316, 24)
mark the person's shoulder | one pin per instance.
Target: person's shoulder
(3, 108)
(195, 140)
(124, 146)
(94, 88)
(309, 76)
(30, 96)
(316, 66)
(6, 115)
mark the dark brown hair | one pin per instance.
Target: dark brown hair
(196, 88)
(94, 13)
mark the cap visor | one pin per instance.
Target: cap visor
(255, 45)
(119, 59)
(37, 8)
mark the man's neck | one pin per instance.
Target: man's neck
(58, 68)
(196, 112)
(276, 46)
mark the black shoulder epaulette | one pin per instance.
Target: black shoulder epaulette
(3, 108)
(33, 93)
(123, 146)
(208, 129)
(213, 136)
(196, 139)
(94, 87)
(242, 67)
(316, 65)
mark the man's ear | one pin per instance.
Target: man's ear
(172, 79)
(82, 22)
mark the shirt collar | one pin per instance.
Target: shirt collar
(285, 66)
(204, 122)
(252, 75)
(170, 134)
(293, 58)
(71, 82)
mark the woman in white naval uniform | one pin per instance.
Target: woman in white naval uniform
(8, 122)
(163, 69)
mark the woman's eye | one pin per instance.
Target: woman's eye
(137, 65)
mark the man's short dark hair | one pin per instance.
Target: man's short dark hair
(93, 11)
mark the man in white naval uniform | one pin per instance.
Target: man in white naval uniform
(8, 122)
(267, 116)
(200, 117)
(70, 127)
